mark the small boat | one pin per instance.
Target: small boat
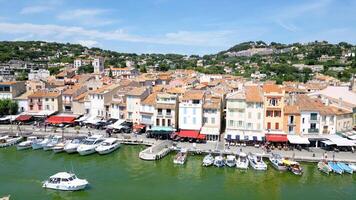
(293, 166)
(60, 146)
(71, 147)
(335, 167)
(242, 161)
(230, 161)
(181, 157)
(324, 167)
(208, 160)
(219, 161)
(345, 167)
(41, 142)
(26, 144)
(65, 181)
(352, 166)
(89, 144)
(5, 198)
(6, 141)
(256, 161)
(277, 162)
(109, 145)
(54, 141)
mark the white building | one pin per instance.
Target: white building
(98, 64)
(78, 63)
(166, 112)
(133, 103)
(41, 74)
(147, 109)
(212, 114)
(191, 110)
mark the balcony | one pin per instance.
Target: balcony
(291, 123)
(313, 130)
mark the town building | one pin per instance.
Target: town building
(12, 89)
(133, 102)
(191, 110)
(165, 115)
(98, 64)
(45, 102)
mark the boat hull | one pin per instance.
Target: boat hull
(107, 150)
(87, 151)
(64, 188)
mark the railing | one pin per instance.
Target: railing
(312, 130)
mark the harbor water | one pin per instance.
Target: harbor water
(122, 175)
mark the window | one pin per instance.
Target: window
(185, 110)
(240, 123)
(258, 105)
(163, 122)
(313, 116)
(277, 113)
(313, 126)
(168, 122)
(249, 125)
(213, 120)
(194, 120)
(159, 111)
(194, 112)
(157, 122)
(269, 113)
(249, 115)
(31, 107)
(231, 122)
(277, 126)
(324, 118)
(196, 101)
(303, 119)
(269, 125)
(185, 120)
(168, 112)
(273, 102)
(47, 107)
(52, 99)
(46, 99)
(258, 126)
(205, 119)
(249, 105)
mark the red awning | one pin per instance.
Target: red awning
(60, 119)
(23, 118)
(191, 134)
(276, 138)
(139, 126)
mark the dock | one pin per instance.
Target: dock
(156, 151)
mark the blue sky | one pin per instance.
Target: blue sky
(177, 26)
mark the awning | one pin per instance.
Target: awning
(139, 126)
(82, 118)
(276, 138)
(190, 134)
(328, 142)
(92, 120)
(296, 139)
(23, 118)
(60, 119)
(209, 131)
(340, 141)
(162, 128)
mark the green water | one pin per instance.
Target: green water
(122, 175)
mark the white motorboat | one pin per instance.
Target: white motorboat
(54, 141)
(89, 144)
(60, 146)
(6, 141)
(219, 161)
(242, 161)
(40, 143)
(352, 166)
(26, 144)
(277, 162)
(230, 161)
(109, 145)
(256, 161)
(65, 181)
(208, 160)
(71, 147)
(181, 157)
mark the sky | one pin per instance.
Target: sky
(177, 26)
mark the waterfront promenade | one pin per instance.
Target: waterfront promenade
(313, 155)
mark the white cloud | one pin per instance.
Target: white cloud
(88, 43)
(289, 27)
(35, 9)
(92, 17)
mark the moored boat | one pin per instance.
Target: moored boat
(60, 146)
(6, 141)
(345, 167)
(324, 167)
(54, 141)
(208, 160)
(109, 145)
(181, 157)
(219, 161)
(256, 161)
(277, 162)
(335, 167)
(39, 144)
(71, 147)
(230, 161)
(352, 166)
(293, 166)
(89, 144)
(242, 161)
(65, 181)
(26, 144)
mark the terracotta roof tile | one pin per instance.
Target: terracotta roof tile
(253, 94)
